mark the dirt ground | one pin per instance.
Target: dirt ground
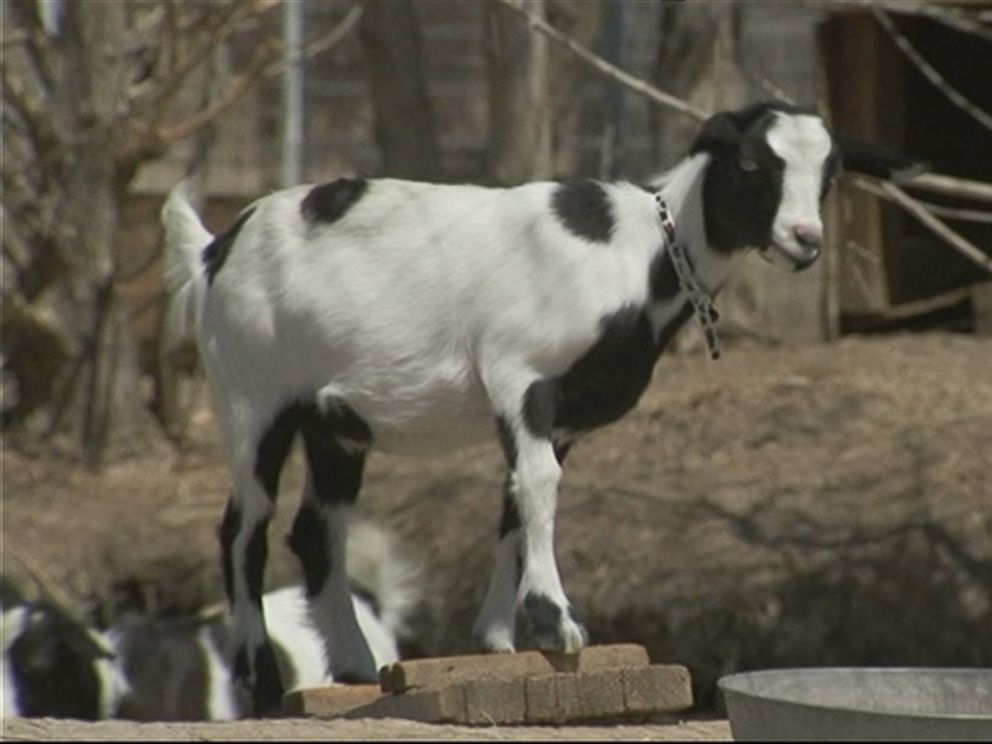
(822, 504)
(295, 729)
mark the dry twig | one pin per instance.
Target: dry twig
(930, 72)
(963, 246)
(962, 188)
(953, 17)
(265, 64)
(601, 65)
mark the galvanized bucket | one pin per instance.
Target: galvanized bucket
(860, 704)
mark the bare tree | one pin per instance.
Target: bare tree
(90, 94)
(404, 122)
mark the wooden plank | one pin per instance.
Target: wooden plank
(436, 673)
(852, 43)
(326, 702)
(981, 304)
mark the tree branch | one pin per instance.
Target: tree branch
(930, 72)
(167, 135)
(34, 40)
(37, 127)
(603, 67)
(937, 226)
(330, 40)
(268, 62)
(936, 183)
(952, 17)
(181, 66)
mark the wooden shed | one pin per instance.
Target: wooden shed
(888, 270)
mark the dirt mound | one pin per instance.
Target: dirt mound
(827, 504)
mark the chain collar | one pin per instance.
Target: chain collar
(699, 298)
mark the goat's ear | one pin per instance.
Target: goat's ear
(719, 132)
(870, 159)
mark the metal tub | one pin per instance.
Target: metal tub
(860, 704)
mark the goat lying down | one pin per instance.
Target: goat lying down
(175, 669)
(415, 317)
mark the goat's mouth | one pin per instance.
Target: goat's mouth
(789, 258)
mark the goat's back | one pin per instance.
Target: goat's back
(402, 302)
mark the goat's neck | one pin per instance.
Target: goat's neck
(682, 190)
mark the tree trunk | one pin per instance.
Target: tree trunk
(698, 62)
(570, 107)
(519, 107)
(404, 124)
(98, 400)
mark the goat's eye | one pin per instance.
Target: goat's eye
(747, 164)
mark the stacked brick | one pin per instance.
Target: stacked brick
(600, 683)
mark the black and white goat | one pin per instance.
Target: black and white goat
(415, 317)
(52, 665)
(175, 669)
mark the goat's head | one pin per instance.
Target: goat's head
(771, 167)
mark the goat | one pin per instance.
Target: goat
(54, 666)
(174, 669)
(415, 317)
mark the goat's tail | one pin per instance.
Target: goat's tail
(185, 239)
(378, 565)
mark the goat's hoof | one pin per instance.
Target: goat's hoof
(257, 674)
(552, 627)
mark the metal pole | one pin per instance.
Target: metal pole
(292, 142)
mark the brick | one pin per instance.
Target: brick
(326, 702)
(600, 658)
(567, 697)
(600, 694)
(440, 672)
(495, 701)
(428, 706)
(659, 688)
(437, 673)
(541, 697)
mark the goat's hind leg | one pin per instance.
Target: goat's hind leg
(336, 442)
(244, 550)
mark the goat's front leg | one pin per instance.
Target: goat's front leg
(525, 563)
(495, 627)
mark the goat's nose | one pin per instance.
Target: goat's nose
(808, 236)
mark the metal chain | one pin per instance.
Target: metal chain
(699, 298)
